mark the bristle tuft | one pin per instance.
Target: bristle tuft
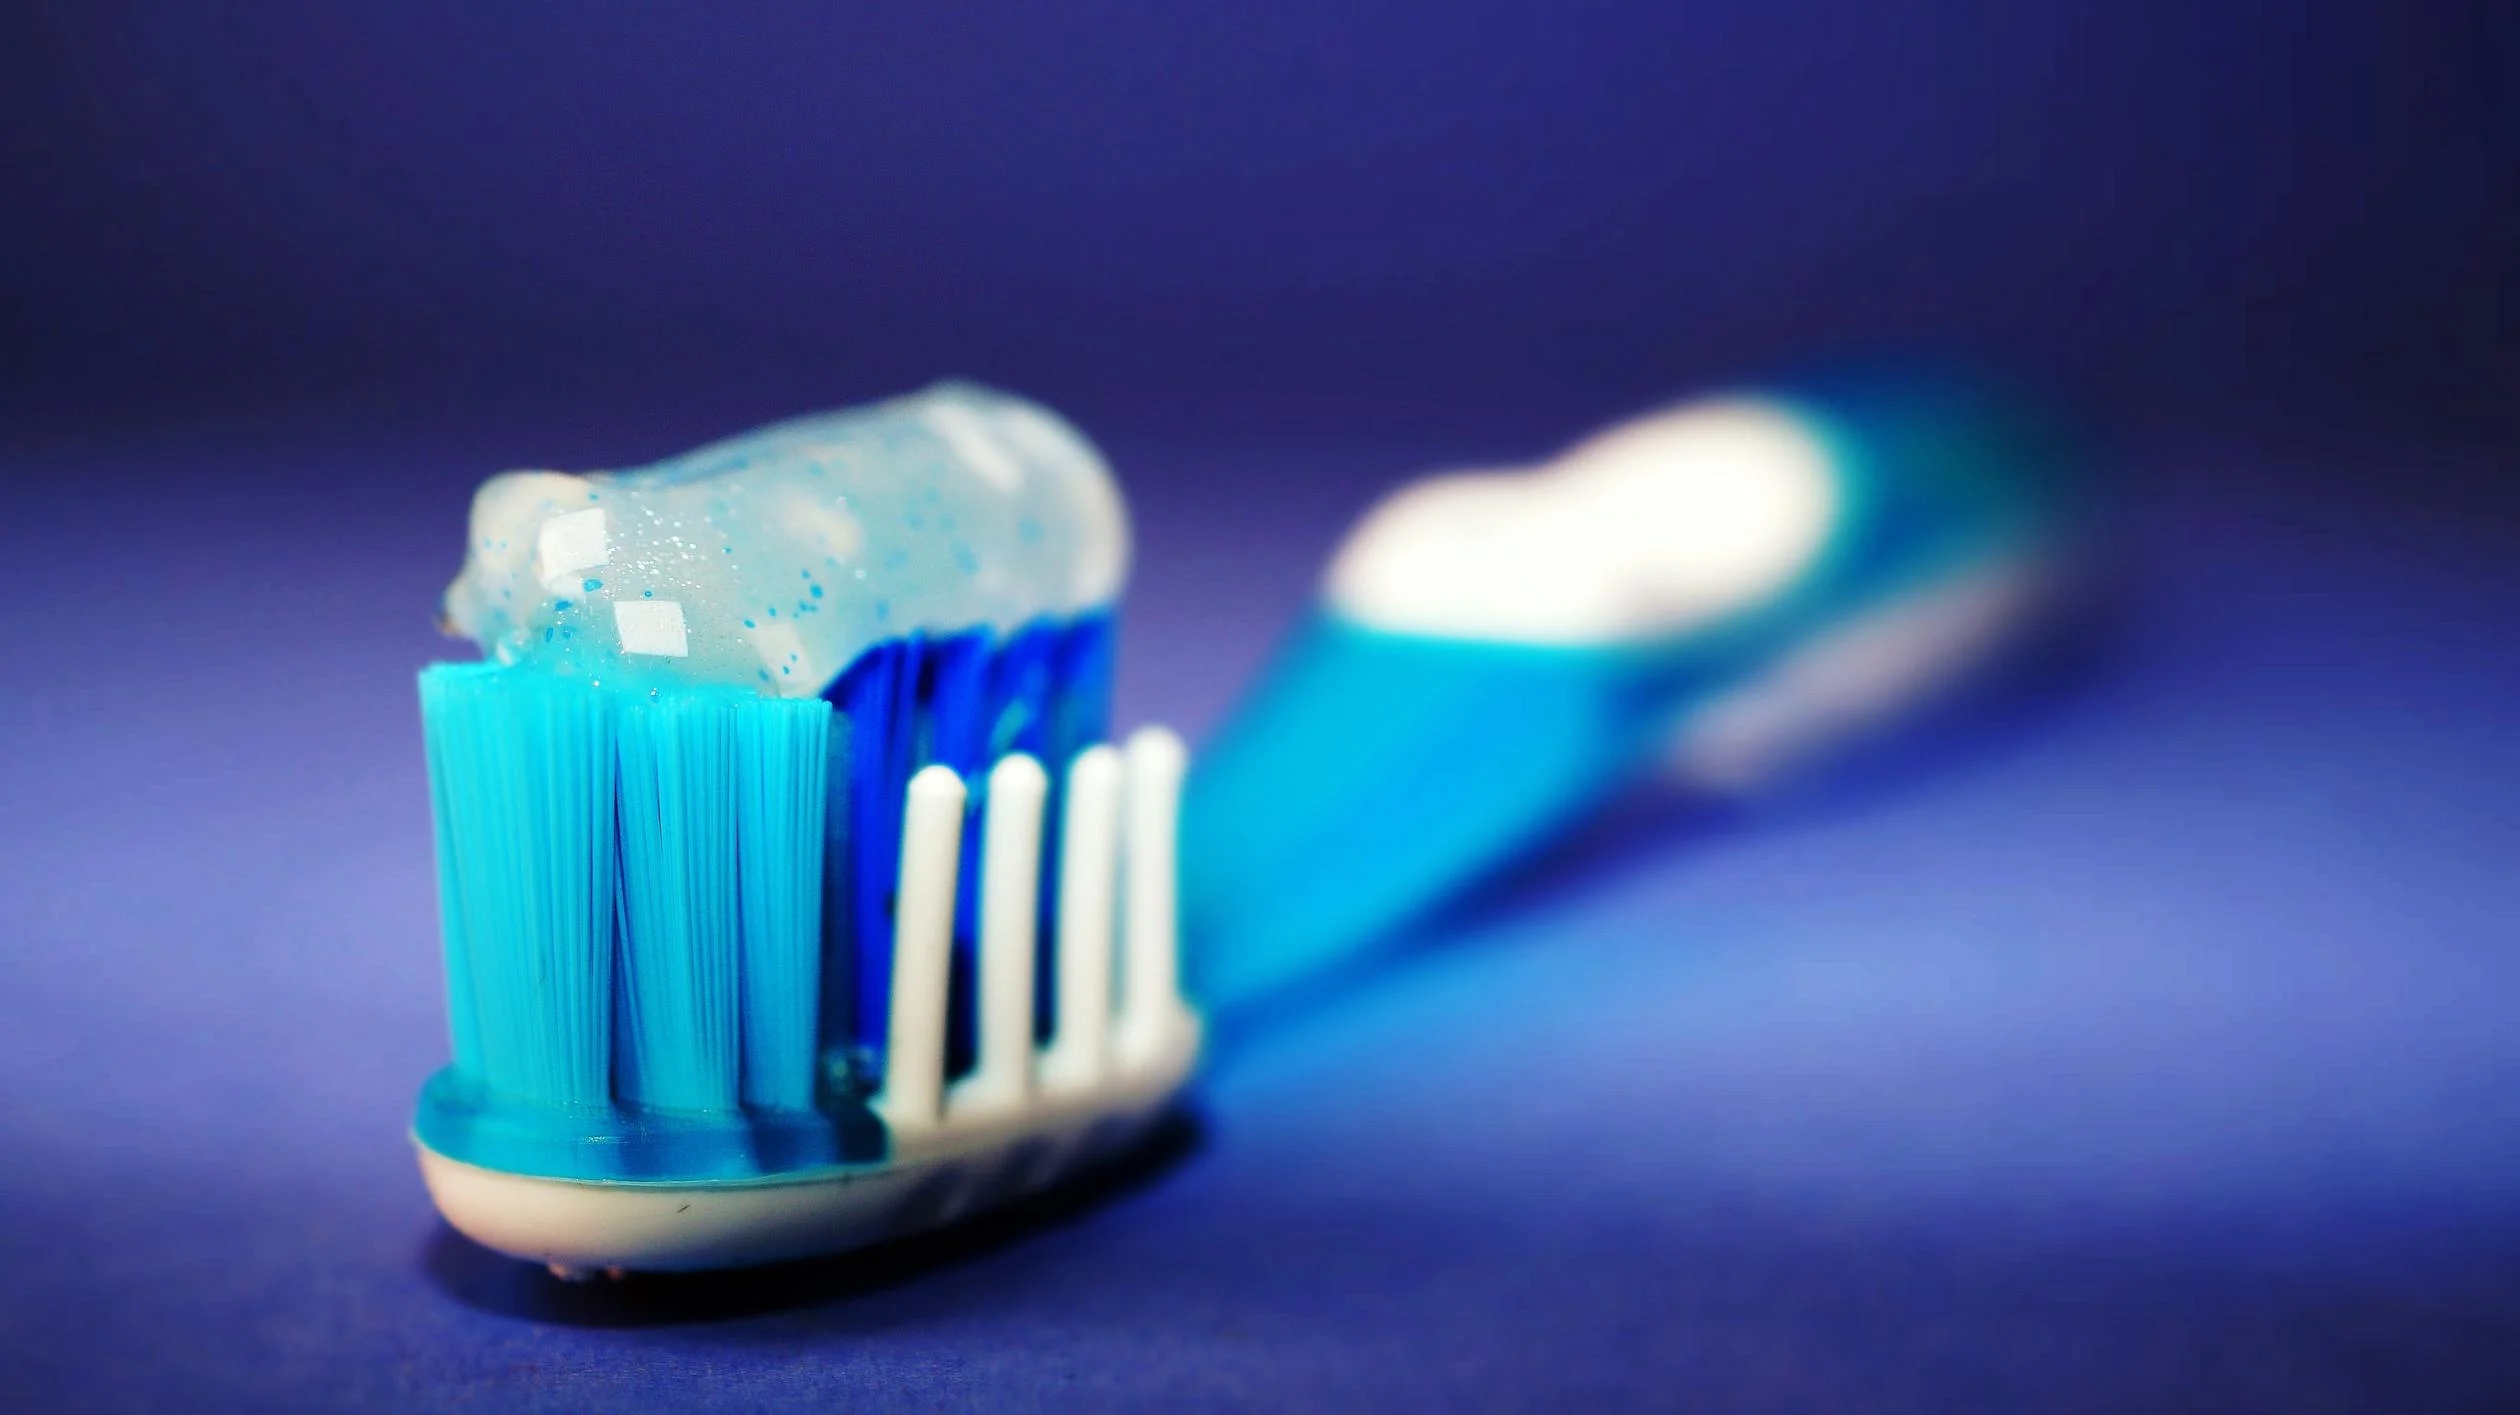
(783, 761)
(677, 1044)
(521, 775)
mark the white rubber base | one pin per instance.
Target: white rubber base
(979, 1156)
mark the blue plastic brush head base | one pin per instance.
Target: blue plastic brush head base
(462, 1119)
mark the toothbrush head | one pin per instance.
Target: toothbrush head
(745, 966)
(709, 1184)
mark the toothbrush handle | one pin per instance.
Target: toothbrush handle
(1377, 773)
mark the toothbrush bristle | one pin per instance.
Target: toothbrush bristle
(923, 940)
(962, 701)
(676, 1046)
(1150, 968)
(1089, 859)
(1010, 887)
(1027, 1115)
(783, 762)
(668, 914)
(521, 770)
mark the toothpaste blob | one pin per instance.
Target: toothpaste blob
(774, 559)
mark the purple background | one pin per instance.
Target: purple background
(2145, 1045)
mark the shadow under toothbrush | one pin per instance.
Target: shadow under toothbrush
(1657, 821)
(492, 1282)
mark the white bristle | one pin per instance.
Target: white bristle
(1089, 859)
(1010, 891)
(1150, 974)
(923, 943)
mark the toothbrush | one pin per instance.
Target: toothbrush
(1723, 591)
(791, 901)
(786, 916)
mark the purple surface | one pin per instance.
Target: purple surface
(2150, 1049)
(2147, 1048)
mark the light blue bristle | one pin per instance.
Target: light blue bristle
(678, 1044)
(442, 730)
(521, 772)
(783, 762)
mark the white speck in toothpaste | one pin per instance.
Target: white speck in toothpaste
(567, 545)
(651, 626)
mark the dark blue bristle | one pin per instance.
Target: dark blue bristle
(1023, 696)
(1082, 657)
(956, 714)
(963, 700)
(1076, 662)
(879, 697)
(954, 702)
(836, 1022)
(1021, 684)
